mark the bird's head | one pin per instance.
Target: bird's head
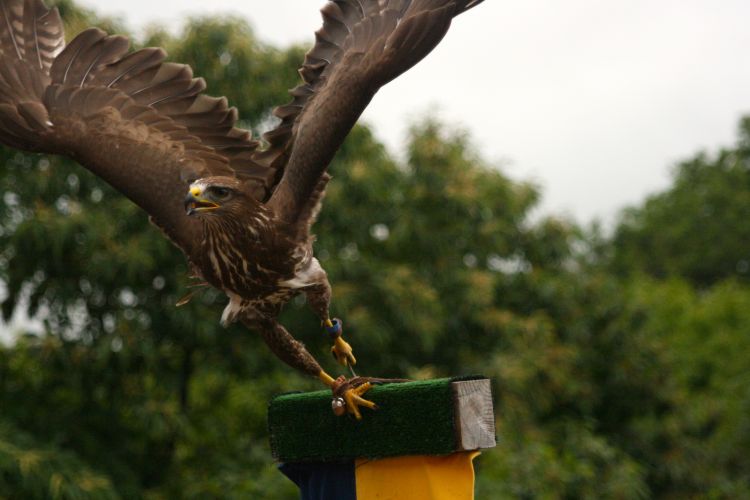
(214, 195)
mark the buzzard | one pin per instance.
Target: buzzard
(240, 210)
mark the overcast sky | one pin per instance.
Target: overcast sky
(594, 101)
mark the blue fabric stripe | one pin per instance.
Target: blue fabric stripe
(323, 480)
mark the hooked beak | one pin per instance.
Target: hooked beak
(194, 203)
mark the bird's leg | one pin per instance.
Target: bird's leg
(347, 398)
(283, 345)
(319, 298)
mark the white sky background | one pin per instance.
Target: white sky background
(594, 101)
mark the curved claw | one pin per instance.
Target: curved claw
(353, 399)
(347, 394)
(343, 353)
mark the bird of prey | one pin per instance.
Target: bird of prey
(241, 210)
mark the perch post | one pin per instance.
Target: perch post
(419, 444)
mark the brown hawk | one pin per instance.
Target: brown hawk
(241, 212)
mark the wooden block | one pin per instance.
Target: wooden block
(474, 414)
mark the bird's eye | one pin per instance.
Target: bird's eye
(220, 193)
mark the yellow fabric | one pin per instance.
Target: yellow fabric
(449, 477)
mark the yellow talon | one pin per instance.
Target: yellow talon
(354, 400)
(342, 351)
(347, 399)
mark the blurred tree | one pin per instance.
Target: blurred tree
(698, 227)
(28, 470)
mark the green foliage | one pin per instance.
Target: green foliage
(28, 470)
(698, 442)
(608, 384)
(698, 228)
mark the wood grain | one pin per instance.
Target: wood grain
(475, 419)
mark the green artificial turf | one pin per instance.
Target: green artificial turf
(413, 418)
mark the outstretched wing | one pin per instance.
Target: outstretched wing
(362, 45)
(136, 121)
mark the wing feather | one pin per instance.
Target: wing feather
(362, 45)
(46, 37)
(135, 120)
(11, 39)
